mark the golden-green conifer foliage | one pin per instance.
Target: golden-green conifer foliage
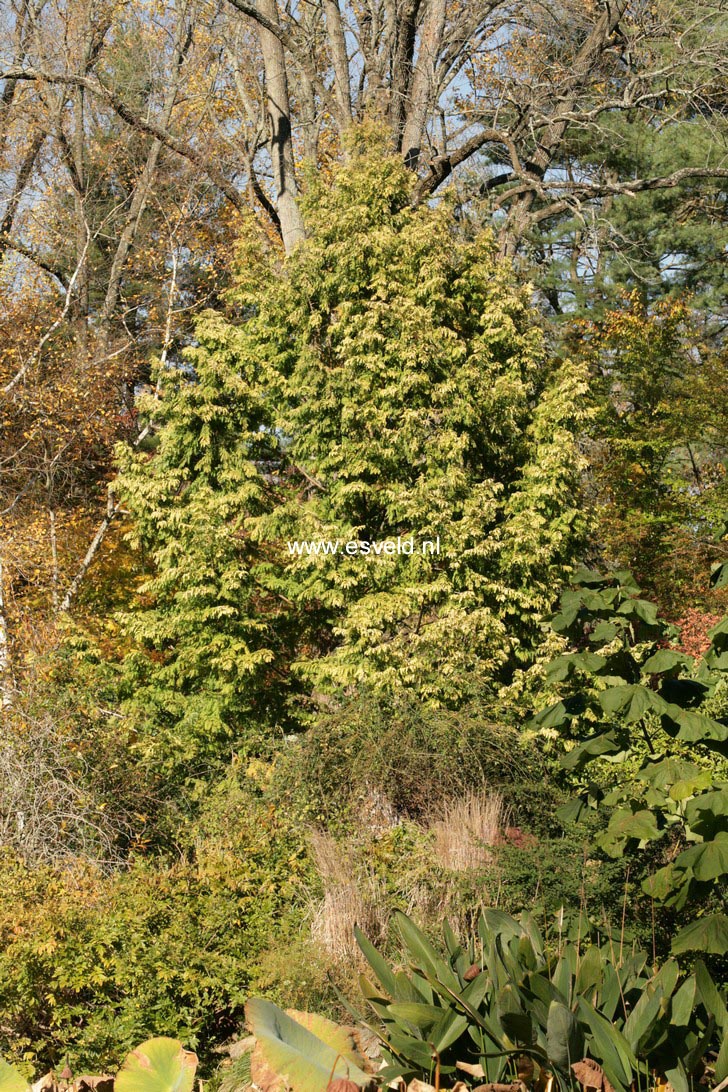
(390, 380)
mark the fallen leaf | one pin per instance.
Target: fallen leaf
(590, 1074)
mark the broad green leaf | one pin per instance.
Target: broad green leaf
(551, 717)
(10, 1079)
(642, 608)
(448, 1031)
(683, 1003)
(721, 1065)
(609, 1046)
(564, 666)
(707, 934)
(158, 1065)
(381, 968)
(708, 860)
(667, 977)
(590, 972)
(545, 990)
(604, 631)
(611, 991)
(681, 790)
(643, 1017)
(590, 578)
(616, 698)
(413, 1049)
(606, 744)
(625, 824)
(422, 1016)
(423, 955)
(667, 771)
(300, 1058)
(644, 701)
(453, 945)
(665, 660)
(518, 1027)
(573, 811)
(564, 971)
(496, 923)
(706, 814)
(719, 575)
(696, 727)
(659, 885)
(719, 629)
(565, 618)
(410, 990)
(678, 1078)
(626, 581)
(564, 1037)
(711, 998)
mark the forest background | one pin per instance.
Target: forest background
(350, 270)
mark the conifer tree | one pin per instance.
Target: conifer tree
(210, 641)
(389, 384)
(414, 384)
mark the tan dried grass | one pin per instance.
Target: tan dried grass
(467, 830)
(349, 899)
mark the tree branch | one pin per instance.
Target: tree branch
(136, 122)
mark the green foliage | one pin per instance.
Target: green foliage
(305, 1051)
(392, 747)
(90, 964)
(159, 1065)
(658, 443)
(665, 243)
(505, 995)
(390, 381)
(661, 716)
(408, 365)
(210, 638)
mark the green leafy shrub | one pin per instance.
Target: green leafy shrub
(485, 1006)
(92, 963)
(397, 749)
(663, 718)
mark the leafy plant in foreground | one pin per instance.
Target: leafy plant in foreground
(661, 716)
(158, 1065)
(302, 1051)
(501, 1003)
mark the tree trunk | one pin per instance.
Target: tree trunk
(279, 122)
(548, 145)
(423, 81)
(339, 57)
(6, 677)
(143, 188)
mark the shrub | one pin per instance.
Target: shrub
(91, 964)
(409, 756)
